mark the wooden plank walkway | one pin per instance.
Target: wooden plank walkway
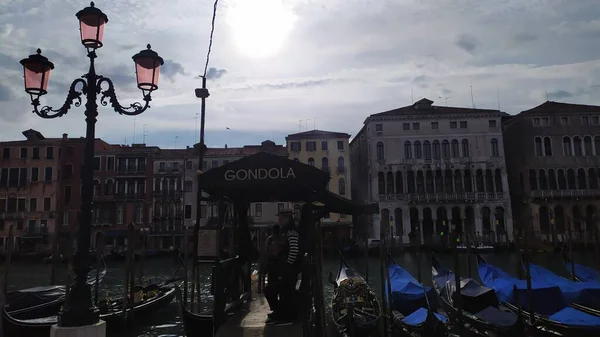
(250, 321)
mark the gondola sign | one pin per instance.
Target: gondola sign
(274, 173)
(208, 243)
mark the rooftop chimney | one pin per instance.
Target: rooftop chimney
(65, 135)
(225, 145)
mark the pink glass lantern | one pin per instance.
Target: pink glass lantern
(91, 26)
(36, 70)
(147, 69)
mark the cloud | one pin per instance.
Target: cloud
(172, 68)
(6, 93)
(214, 73)
(467, 43)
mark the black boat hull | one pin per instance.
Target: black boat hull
(432, 327)
(40, 326)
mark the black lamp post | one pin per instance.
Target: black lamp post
(79, 309)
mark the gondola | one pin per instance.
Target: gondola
(480, 308)
(551, 314)
(584, 296)
(147, 300)
(413, 306)
(582, 273)
(44, 300)
(355, 309)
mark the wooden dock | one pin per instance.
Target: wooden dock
(250, 321)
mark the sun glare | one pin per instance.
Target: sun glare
(260, 27)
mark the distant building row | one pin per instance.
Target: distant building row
(434, 168)
(153, 188)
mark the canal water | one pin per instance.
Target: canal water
(167, 322)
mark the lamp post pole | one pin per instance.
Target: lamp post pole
(79, 309)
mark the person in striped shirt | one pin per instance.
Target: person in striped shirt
(290, 262)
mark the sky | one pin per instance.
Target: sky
(284, 66)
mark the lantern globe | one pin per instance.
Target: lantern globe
(147, 69)
(36, 72)
(91, 25)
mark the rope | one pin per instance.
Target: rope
(210, 41)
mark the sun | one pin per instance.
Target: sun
(260, 27)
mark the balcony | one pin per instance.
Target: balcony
(12, 215)
(130, 195)
(168, 195)
(103, 222)
(473, 197)
(35, 232)
(167, 171)
(565, 194)
(131, 169)
(325, 168)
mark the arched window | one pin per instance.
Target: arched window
(562, 180)
(418, 152)
(109, 187)
(587, 146)
(533, 183)
(498, 180)
(325, 164)
(543, 180)
(341, 163)
(489, 181)
(439, 181)
(380, 183)
(581, 181)
(467, 181)
(390, 182)
(420, 182)
(455, 150)
(410, 181)
(342, 186)
(311, 161)
(429, 181)
(380, 151)
(597, 145)
(445, 149)
(68, 171)
(552, 180)
(427, 149)
(577, 150)
(465, 147)
(567, 146)
(479, 181)
(538, 146)
(571, 179)
(495, 149)
(436, 149)
(407, 150)
(592, 178)
(547, 146)
(96, 187)
(399, 182)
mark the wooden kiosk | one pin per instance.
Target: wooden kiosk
(265, 177)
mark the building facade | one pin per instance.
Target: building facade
(328, 151)
(432, 168)
(553, 171)
(168, 210)
(28, 188)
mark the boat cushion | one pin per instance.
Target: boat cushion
(572, 316)
(497, 317)
(25, 298)
(418, 317)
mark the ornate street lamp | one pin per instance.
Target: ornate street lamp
(79, 309)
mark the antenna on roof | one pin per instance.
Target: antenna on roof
(144, 133)
(498, 95)
(306, 124)
(547, 99)
(445, 98)
(134, 122)
(471, 85)
(412, 97)
(315, 122)
(299, 125)
(176, 139)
